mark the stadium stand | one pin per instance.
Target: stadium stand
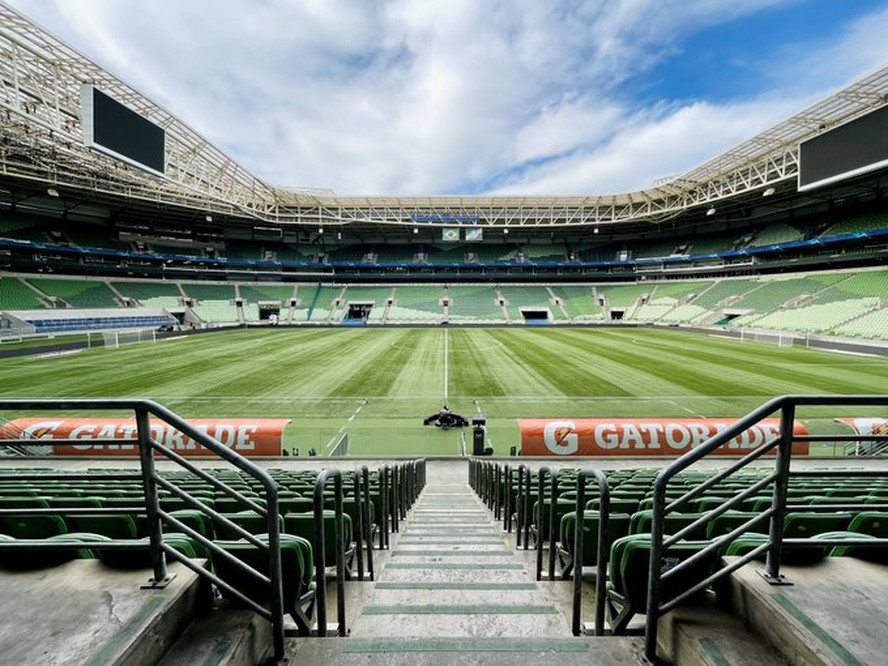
(796, 262)
(520, 298)
(578, 302)
(474, 304)
(77, 293)
(15, 295)
(417, 303)
(151, 294)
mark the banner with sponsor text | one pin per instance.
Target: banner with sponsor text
(249, 437)
(871, 425)
(642, 437)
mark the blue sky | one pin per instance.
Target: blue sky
(420, 97)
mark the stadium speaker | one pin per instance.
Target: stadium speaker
(478, 440)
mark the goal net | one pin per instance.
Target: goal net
(784, 340)
(119, 338)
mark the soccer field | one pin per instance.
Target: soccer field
(378, 384)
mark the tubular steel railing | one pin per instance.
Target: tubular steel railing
(156, 516)
(603, 550)
(320, 550)
(779, 478)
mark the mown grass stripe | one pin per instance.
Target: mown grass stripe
(432, 585)
(382, 645)
(821, 634)
(461, 566)
(451, 609)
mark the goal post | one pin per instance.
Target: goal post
(120, 337)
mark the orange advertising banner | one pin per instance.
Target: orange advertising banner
(642, 437)
(871, 425)
(249, 437)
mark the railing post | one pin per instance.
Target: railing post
(543, 471)
(359, 513)
(507, 498)
(385, 473)
(496, 491)
(519, 495)
(321, 551)
(152, 501)
(527, 511)
(552, 531)
(602, 555)
(781, 486)
(368, 523)
(656, 558)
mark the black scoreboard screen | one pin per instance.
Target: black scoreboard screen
(849, 150)
(117, 130)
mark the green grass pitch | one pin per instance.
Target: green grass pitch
(379, 383)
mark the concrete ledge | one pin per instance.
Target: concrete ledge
(834, 613)
(84, 612)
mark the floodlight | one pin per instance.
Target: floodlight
(768, 192)
(710, 212)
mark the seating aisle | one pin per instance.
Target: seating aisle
(453, 583)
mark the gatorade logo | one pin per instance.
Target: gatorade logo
(560, 438)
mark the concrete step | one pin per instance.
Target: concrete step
(505, 651)
(84, 612)
(833, 613)
(229, 635)
(710, 636)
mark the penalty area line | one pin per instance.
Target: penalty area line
(333, 440)
(689, 411)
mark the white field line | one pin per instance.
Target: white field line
(689, 411)
(446, 367)
(351, 418)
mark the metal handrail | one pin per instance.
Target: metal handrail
(786, 406)
(143, 410)
(362, 506)
(603, 549)
(541, 482)
(320, 550)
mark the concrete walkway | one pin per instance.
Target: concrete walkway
(454, 587)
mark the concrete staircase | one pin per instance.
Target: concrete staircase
(452, 588)
(455, 589)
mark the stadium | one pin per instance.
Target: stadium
(631, 428)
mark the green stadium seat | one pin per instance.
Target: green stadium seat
(617, 526)
(873, 523)
(298, 574)
(33, 527)
(641, 523)
(731, 520)
(629, 563)
(113, 526)
(249, 520)
(303, 525)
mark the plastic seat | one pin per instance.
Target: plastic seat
(303, 525)
(731, 520)
(617, 526)
(248, 520)
(874, 523)
(296, 567)
(629, 564)
(674, 522)
(877, 554)
(112, 525)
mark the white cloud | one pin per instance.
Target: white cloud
(420, 97)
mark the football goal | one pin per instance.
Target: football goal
(118, 338)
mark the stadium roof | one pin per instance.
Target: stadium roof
(43, 144)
